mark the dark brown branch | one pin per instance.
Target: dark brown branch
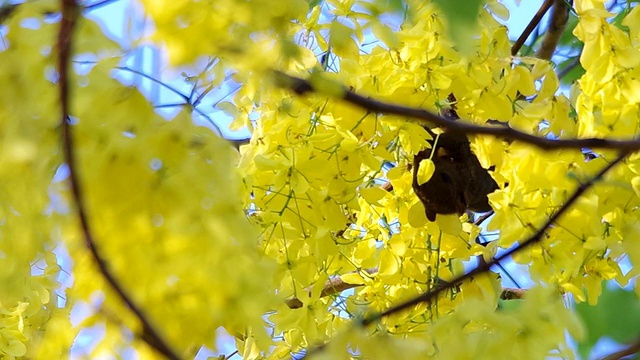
(301, 86)
(535, 21)
(294, 303)
(99, 4)
(388, 186)
(557, 23)
(482, 218)
(575, 62)
(512, 293)
(629, 350)
(6, 11)
(333, 286)
(485, 267)
(70, 12)
(231, 355)
(236, 143)
(336, 285)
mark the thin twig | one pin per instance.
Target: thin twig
(535, 21)
(301, 86)
(483, 218)
(98, 4)
(70, 12)
(629, 350)
(187, 101)
(236, 143)
(175, 91)
(482, 268)
(500, 266)
(231, 355)
(336, 285)
(333, 286)
(575, 62)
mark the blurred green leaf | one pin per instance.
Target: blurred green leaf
(617, 315)
(314, 3)
(572, 74)
(510, 305)
(462, 16)
(394, 5)
(617, 21)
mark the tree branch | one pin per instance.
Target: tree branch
(535, 21)
(336, 285)
(333, 286)
(70, 13)
(557, 22)
(236, 143)
(629, 350)
(301, 86)
(512, 293)
(575, 62)
(6, 10)
(98, 4)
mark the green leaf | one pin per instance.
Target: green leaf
(510, 305)
(617, 20)
(573, 74)
(616, 315)
(394, 5)
(462, 16)
(314, 3)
